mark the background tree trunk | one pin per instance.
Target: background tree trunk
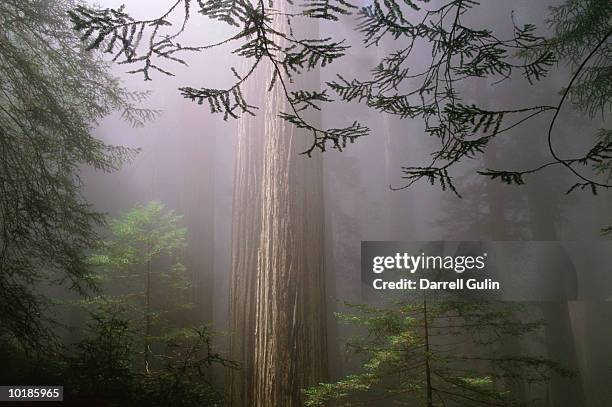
(197, 204)
(560, 343)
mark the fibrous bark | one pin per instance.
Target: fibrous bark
(277, 311)
(246, 230)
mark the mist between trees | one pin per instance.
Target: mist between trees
(185, 186)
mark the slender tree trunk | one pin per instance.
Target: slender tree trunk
(427, 359)
(147, 349)
(277, 310)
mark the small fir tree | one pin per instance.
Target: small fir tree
(142, 261)
(439, 353)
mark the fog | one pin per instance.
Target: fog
(187, 161)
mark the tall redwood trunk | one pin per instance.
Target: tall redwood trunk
(246, 231)
(277, 310)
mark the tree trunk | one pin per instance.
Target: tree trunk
(246, 230)
(277, 311)
(147, 349)
(197, 204)
(559, 332)
(427, 357)
(544, 209)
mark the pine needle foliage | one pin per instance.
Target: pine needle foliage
(461, 53)
(328, 9)
(582, 39)
(51, 94)
(101, 366)
(149, 43)
(141, 262)
(438, 352)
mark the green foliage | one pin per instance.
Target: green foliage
(101, 367)
(579, 26)
(139, 313)
(141, 264)
(51, 94)
(144, 233)
(461, 53)
(444, 352)
(137, 239)
(328, 9)
(232, 12)
(182, 380)
(101, 363)
(582, 33)
(115, 32)
(601, 154)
